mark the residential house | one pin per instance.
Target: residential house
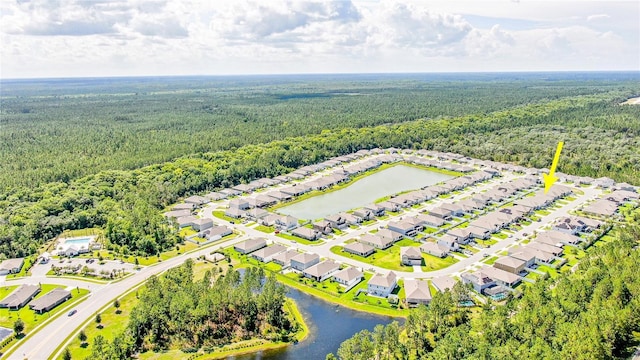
(417, 292)
(251, 245)
(441, 212)
(217, 233)
(453, 209)
(201, 224)
(266, 254)
(305, 233)
(176, 213)
(230, 192)
(20, 297)
(434, 249)
(364, 214)
(554, 237)
(351, 219)
(410, 256)
(11, 266)
(525, 255)
(376, 241)
(430, 220)
(235, 213)
(183, 206)
(256, 214)
(286, 222)
(479, 280)
(303, 261)
(375, 209)
(50, 300)
(239, 203)
(382, 284)
(323, 226)
(602, 207)
(604, 182)
(284, 258)
(554, 250)
(348, 277)
(197, 200)
(403, 227)
(243, 188)
(501, 277)
(443, 283)
(359, 248)
(389, 234)
(390, 206)
(448, 241)
(510, 264)
(279, 196)
(337, 221)
(215, 196)
(462, 235)
(321, 271)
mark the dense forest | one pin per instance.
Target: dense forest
(601, 139)
(592, 313)
(60, 130)
(176, 312)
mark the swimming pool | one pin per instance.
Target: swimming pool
(78, 241)
(74, 246)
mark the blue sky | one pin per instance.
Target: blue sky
(66, 38)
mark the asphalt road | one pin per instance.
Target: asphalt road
(44, 342)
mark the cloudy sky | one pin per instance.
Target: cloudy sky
(64, 38)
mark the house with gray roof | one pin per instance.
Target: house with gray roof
(284, 258)
(235, 213)
(266, 254)
(348, 277)
(286, 222)
(303, 261)
(382, 285)
(410, 256)
(202, 224)
(359, 248)
(50, 300)
(217, 233)
(443, 283)
(322, 270)
(434, 249)
(11, 266)
(376, 241)
(389, 234)
(177, 213)
(417, 292)
(20, 297)
(197, 200)
(403, 227)
(510, 264)
(305, 233)
(251, 245)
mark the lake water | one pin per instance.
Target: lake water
(329, 326)
(364, 191)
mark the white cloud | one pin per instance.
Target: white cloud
(122, 37)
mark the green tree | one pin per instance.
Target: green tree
(82, 337)
(18, 326)
(98, 318)
(66, 354)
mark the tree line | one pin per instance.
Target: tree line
(601, 139)
(176, 312)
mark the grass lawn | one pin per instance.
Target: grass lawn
(501, 235)
(28, 261)
(265, 229)
(28, 316)
(150, 260)
(388, 258)
(220, 215)
(490, 260)
(549, 270)
(435, 263)
(573, 255)
(300, 240)
(187, 231)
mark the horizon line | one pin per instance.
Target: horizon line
(637, 71)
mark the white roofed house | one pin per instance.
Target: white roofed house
(389, 234)
(217, 233)
(201, 224)
(286, 222)
(250, 245)
(348, 277)
(197, 200)
(284, 258)
(256, 214)
(382, 285)
(11, 266)
(403, 227)
(266, 254)
(303, 261)
(359, 248)
(321, 271)
(510, 264)
(434, 249)
(449, 242)
(337, 221)
(410, 255)
(364, 214)
(235, 213)
(305, 233)
(376, 241)
(417, 292)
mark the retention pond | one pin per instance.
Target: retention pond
(389, 181)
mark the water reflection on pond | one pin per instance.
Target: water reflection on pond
(329, 326)
(364, 191)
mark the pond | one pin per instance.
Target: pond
(329, 326)
(364, 191)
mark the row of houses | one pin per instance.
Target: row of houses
(608, 204)
(25, 293)
(311, 266)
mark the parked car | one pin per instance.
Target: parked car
(72, 312)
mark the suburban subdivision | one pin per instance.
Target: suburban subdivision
(377, 230)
